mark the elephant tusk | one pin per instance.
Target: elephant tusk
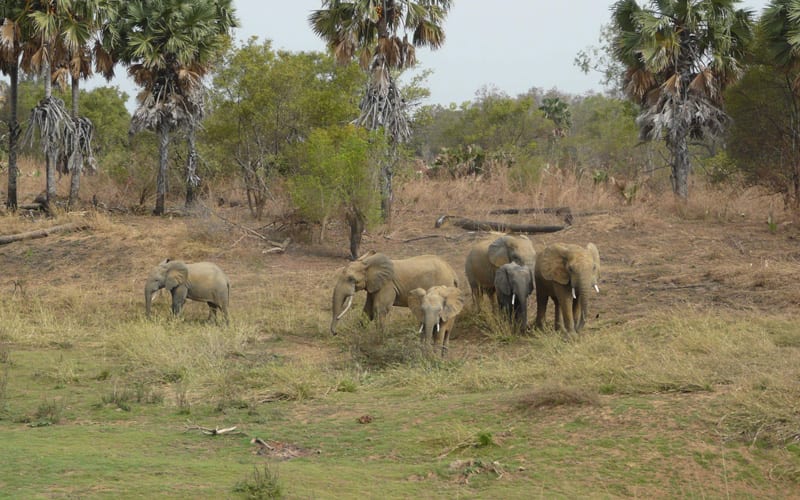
(596, 288)
(421, 327)
(574, 296)
(349, 303)
(437, 328)
(513, 298)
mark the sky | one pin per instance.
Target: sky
(506, 45)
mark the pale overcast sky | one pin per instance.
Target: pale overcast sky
(509, 45)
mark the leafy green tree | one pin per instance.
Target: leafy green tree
(337, 179)
(265, 101)
(169, 46)
(680, 55)
(604, 136)
(370, 31)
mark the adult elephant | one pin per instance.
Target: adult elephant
(486, 257)
(387, 282)
(200, 281)
(436, 310)
(513, 285)
(566, 273)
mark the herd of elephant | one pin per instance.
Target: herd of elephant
(506, 267)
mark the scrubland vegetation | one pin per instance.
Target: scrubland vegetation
(684, 382)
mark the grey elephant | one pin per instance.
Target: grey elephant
(387, 282)
(566, 273)
(486, 257)
(200, 281)
(513, 285)
(436, 309)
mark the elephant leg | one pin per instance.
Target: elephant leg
(445, 340)
(566, 314)
(369, 307)
(541, 309)
(179, 294)
(557, 306)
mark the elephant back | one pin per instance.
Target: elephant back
(422, 271)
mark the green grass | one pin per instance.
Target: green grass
(688, 404)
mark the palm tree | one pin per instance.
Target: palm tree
(370, 31)
(13, 37)
(169, 46)
(780, 27)
(49, 116)
(679, 56)
(78, 45)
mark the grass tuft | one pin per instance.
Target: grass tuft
(260, 484)
(550, 396)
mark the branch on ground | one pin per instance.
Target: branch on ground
(478, 225)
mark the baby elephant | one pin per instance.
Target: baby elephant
(200, 281)
(436, 310)
(513, 285)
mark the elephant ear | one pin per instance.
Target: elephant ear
(498, 251)
(552, 264)
(533, 280)
(502, 281)
(415, 298)
(453, 302)
(177, 274)
(594, 253)
(379, 272)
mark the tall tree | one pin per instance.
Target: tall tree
(80, 24)
(370, 31)
(169, 46)
(679, 56)
(49, 116)
(14, 35)
(780, 33)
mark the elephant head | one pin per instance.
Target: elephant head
(512, 248)
(169, 274)
(370, 272)
(436, 310)
(200, 281)
(514, 284)
(570, 272)
(487, 256)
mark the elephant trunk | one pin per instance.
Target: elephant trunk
(583, 299)
(342, 300)
(149, 290)
(430, 325)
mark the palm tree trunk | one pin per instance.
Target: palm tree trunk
(192, 179)
(50, 159)
(161, 180)
(681, 165)
(13, 136)
(77, 156)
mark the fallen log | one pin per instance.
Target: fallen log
(542, 210)
(41, 233)
(565, 212)
(479, 225)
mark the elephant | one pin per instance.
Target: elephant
(566, 273)
(387, 282)
(485, 257)
(436, 310)
(200, 281)
(513, 285)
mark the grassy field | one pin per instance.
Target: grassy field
(685, 382)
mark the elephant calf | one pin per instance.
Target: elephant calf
(485, 258)
(200, 281)
(436, 310)
(513, 286)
